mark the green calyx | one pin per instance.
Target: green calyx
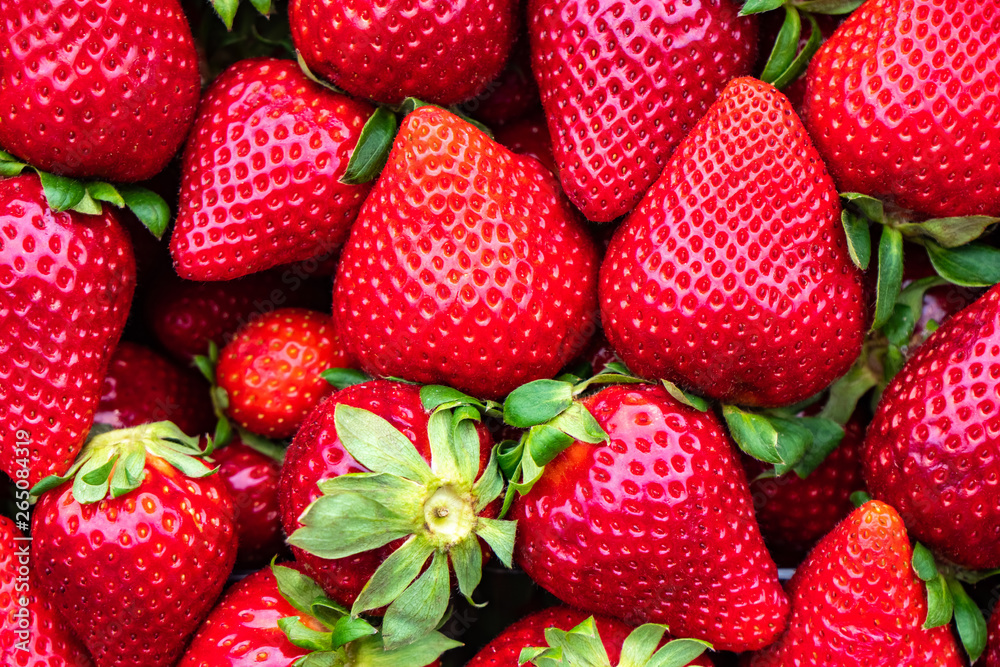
(115, 460)
(582, 647)
(226, 9)
(437, 510)
(335, 638)
(834, 7)
(67, 194)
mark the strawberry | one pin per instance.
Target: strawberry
(856, 602)
(262, 169)
(902, 104)
(141, 387)
(67, 281)
(654, 524)
(931, 449)
(466, 266)
(32, 634)
(271, 371)
(732, 278)
(510, 96)
(347, 525)
(135, 551)
(528, 136)
(96, 89)
(992, 656)
(623, 83)
(388, 50)
(262, 613)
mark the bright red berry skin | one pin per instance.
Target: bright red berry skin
(467, 266)
(622, 83)
(317, 454)
(656, 526)
(387, 50)
(252, 480)
(856, 602)
(732, 278)
(141, 387)
(261, 183)
(271, 370)
(66, 284)
(134, 576)
(991, 658)
(98, 89)
(41, 639)
(903, 104)
(933, 447)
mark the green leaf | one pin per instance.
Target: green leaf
(950, 232)
(969, 621)
(972, 265)
(304, 637)
(859, 498)
(537, 402)
(394, 575)
(848, 390)
(91, 483)
(490, 484)
(327, 611)
(901, 324)
(868, 206)
(544, 443)
(9, 169)
(151, 209)
(758, 6)
(48, 484)
(321, 659)
(828, 6)
(641, 644)
(372, 150)
(347, 524)
(433, 396)
(88, 206)
(377, 445)
(371, 653)
(398, 495)
(262, 6)
(417, 611)
(785, 46)
(859, 238)
(753, 433)
(798, 66)
(581, 646)
(940, 604)
(341, 378)
(467, 561)
(499, 535)
(188, 465)
(299, 590)
(577, 422)
(678, 653)
(890, 275)
(684, 398)
(892, 362)
(226, 9)
(128, 474)
(794, 440)
(826, 437)
(923, 562)
(105, 192)
(61, 193)
(349, 629)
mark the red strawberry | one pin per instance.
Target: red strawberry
(529, 136)
(511, 95)
(656, 525)
(466, 266)
(135, 571)
(96, 89)
(932, 449)
(623, 82)
(992, 656)
(856, 602)
(903, 104)
(32, 634)
(141, 387)
(262, 170)
(732, 278)
(67, 282)
(271, 371)
(387, 50)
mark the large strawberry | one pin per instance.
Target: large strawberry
(623, 82)
(933, 446)
(856, 602)
(96, 89)
(66, 283)
(902, 103)
(134, 552)
(732, 277)
(262, 169)
(466, 267)
(655, 524)
(387, 50)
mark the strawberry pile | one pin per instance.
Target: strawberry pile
(565, 333)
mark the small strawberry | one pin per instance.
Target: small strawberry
(856, 602)
(32, 634)
(278, 617)
(141, 387)
(388, 50)
(732, 278)
(96, 89)
(623, 83)
(134, 552)
(67, 281)
(262, 173)
(466, 267)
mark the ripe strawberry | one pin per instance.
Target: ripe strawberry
(67, 281)
(656, 525)
(262, 169)
(135, 571)
(732, 278)
(623, 83)
(248, 627)
(141, 387)
(903, 105)
(387, 50)
(466, 267)
(529, 136)
(96, 89)
(992, 656)
(271, 371)
(32, 634)
(856, 602)
(932, 449)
